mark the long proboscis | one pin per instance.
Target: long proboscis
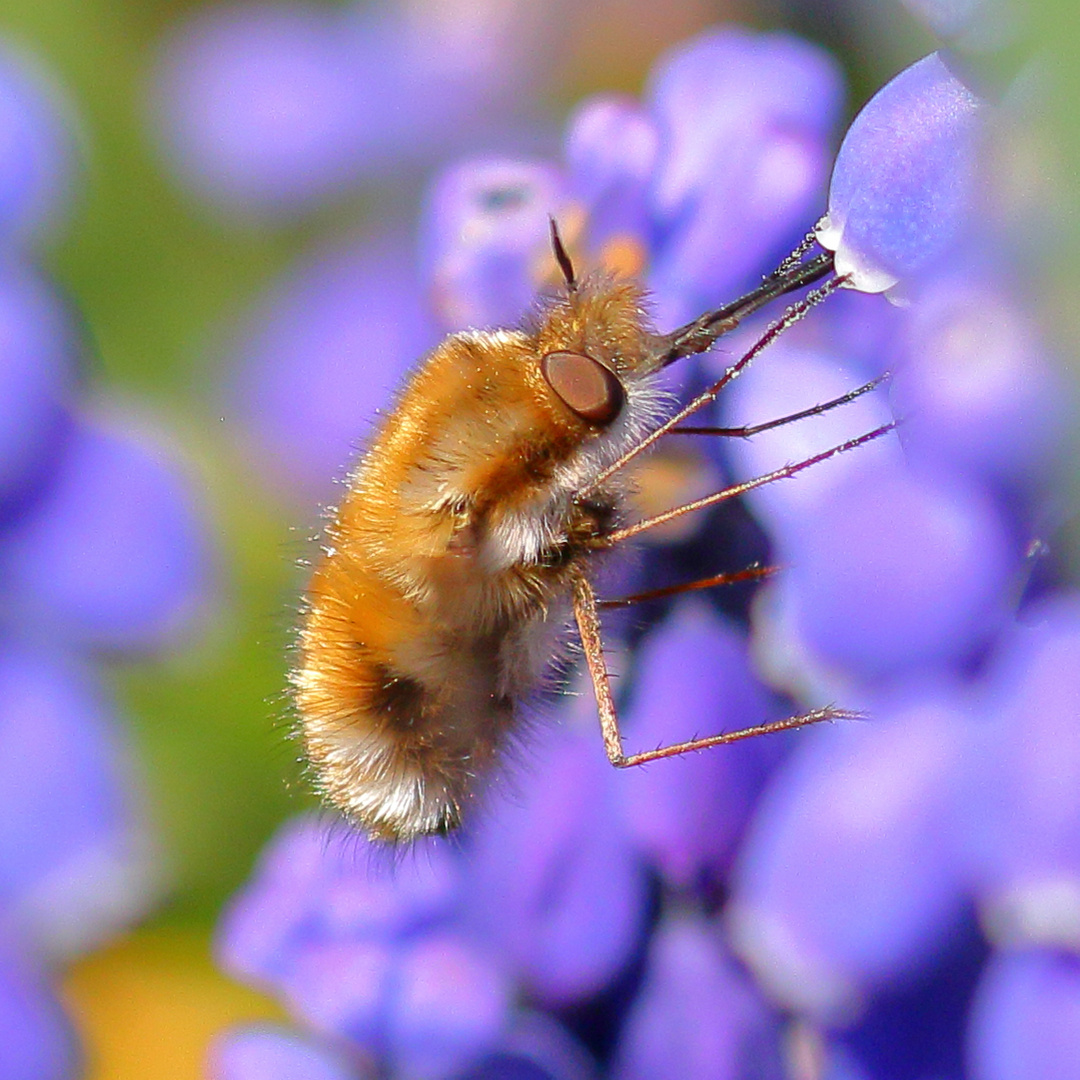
(703, 332)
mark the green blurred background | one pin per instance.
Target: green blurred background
(160, 280)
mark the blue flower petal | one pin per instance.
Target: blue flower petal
(450, 1006)
(38, 356)
(849, 880)
(268, 1053)
(554, 881)
(896, 570)
(697, 1017)
(1024, 819)
(486, 239)
(745, 120)
(1025, 1021)
(904, 182)
(693, 678)
(36, 149)
(112, 555)
(36, 1039)
(74, 859)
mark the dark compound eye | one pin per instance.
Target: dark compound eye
(584, 385)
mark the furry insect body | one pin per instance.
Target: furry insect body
(446, 585)
(466, 537)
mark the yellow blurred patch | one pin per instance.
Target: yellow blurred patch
(147, 1008)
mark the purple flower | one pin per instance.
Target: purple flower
(612, 149)
(693, 678)
(849, 878)
(268, 108)
(321, 357)
(450, 1002)
(36, 149)
(111, 554)
(76, 861)
(38, 1041)
(100, 549)
(790, 378)
(697, 1016)
(744, 120)
(267, 1053)
(905, 179)
(264, 104)
(377, 954)
(367, 951)
(553, 882)
(1026, 1019)
(898, 571)
(1024, 818)
(38, 359)
(974, 383)
(486, 225)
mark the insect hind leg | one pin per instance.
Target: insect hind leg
(588, 621)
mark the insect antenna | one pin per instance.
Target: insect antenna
(562, 257)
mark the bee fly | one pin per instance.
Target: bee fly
(468, 531)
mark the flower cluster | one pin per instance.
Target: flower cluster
(100, 554)
(895, 897)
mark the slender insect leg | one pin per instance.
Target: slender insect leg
(740, 489)
(757, 572)
(588, 620)
(814, 410)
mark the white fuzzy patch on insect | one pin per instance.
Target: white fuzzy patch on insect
(523, 536)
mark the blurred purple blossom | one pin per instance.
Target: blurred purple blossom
(697, 1016)
(76, 857)
(268, 1053)
(745, 121)
(481, 226)
(553, 881)
(862, 812)
(1024, 815)
(38, 1041)
(899, 572)
(326, 347)
(37, 149)
(1026, 1019)
(39, 356)
(687, 815)
(794, 378)
(267, 108)
(111, 555)
(977, 388)
(905, 181)
(376, 952)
